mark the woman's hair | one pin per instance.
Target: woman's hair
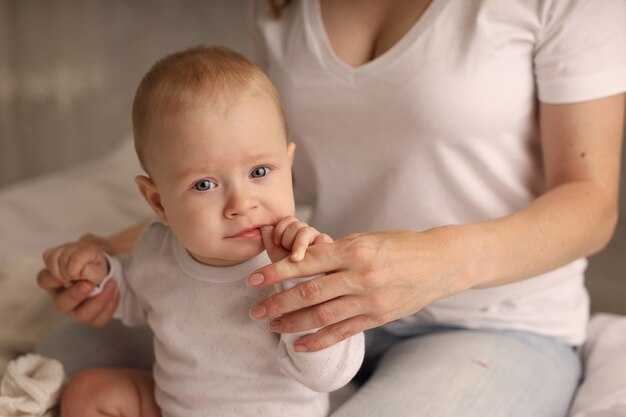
(192, 79)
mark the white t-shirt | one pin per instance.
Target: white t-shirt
(442, 129)
(211, 358)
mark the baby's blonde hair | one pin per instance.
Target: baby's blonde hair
(191, 79)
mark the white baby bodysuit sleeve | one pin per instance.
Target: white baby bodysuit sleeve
(128, 309)
(323, 371)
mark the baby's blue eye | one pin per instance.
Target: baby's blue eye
(259, 172)
(204, 185)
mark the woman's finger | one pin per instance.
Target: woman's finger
(89, 310)
(319, 259)
(66, 300)
(107, 311)
(306, 294)
(335, 333)
(319, 316)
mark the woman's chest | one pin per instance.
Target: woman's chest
(359, 31)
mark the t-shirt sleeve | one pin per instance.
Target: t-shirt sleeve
(581, 50)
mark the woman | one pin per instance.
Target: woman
(474, 148)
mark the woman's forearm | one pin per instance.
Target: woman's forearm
(121, 242)
(576, 217)
(570, 221)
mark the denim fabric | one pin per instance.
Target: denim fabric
(449, 372)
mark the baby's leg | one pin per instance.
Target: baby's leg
(100, 392)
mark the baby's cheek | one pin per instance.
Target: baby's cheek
(193, 233)
(286, 205)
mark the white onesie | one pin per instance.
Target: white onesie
(211, 358)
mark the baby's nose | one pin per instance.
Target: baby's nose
(240, 203)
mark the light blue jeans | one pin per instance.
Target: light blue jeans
(450, 372)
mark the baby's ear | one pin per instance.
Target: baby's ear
(149, 191)
(291, 150)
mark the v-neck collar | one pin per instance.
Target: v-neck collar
(326, 54)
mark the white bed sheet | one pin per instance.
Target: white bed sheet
(100, 196)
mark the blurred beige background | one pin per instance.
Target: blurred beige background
(69, 68)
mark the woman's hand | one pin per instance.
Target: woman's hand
(371, 279)
(76, 262)
(75, 301)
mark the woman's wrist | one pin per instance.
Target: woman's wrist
(467, 249)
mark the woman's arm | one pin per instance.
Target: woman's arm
(374, 278)
(119, 243)
(581, 148)
(75, 300)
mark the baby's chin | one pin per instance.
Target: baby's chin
(231, 259)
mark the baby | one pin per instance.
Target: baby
(211, 135)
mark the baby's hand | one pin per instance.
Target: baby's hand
(291, 237)
(75, 261)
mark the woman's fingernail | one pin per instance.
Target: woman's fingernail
(275, 325)
(256, 279)
(258, 312)
(300, 348)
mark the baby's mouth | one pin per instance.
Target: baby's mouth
(247, 233)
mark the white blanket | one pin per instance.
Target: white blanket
(31, 387)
